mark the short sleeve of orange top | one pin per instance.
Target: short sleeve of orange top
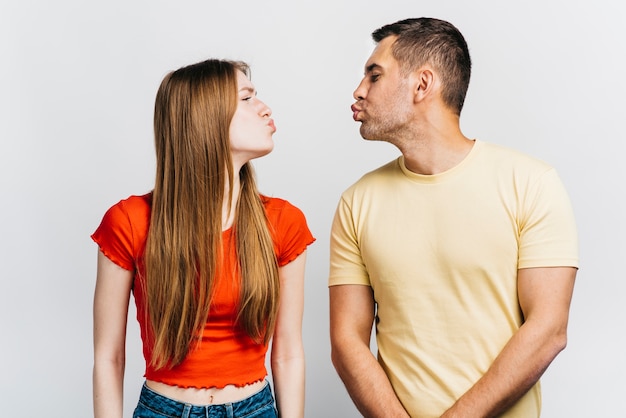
(225, 354)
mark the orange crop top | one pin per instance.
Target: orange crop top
(225, 354)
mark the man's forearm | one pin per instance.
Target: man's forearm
(367, 384)
(517, 369)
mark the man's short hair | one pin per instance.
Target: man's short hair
(438, 43)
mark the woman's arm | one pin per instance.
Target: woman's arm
(110, 313)
(287, 348)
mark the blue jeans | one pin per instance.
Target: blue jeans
(154, 405)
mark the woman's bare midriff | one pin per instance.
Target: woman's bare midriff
(207, 396)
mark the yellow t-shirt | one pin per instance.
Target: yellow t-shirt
(441, 253)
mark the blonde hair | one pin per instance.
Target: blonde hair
(193, 110)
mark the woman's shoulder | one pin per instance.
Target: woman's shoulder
(137, 202)
(277, 204)
(271, 202)
(281, 210)
(122, 232)
(133, 211)
(134, 205)
(289, 228)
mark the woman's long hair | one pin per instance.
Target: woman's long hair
(193, 110)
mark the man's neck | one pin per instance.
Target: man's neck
(437, 147)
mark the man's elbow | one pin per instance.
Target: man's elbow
(550, 335)
(559, 342)
(339, 352)
(335, 355)
(554, 342)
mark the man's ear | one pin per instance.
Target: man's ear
(423, 83)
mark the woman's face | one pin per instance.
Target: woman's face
(251, 128)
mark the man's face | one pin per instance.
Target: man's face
(383, 98)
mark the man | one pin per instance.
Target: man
(463, 253)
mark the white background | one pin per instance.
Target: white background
(77, 86)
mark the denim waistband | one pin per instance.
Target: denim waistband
(170, 407)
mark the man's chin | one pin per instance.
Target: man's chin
(365, 134)
(369, 136)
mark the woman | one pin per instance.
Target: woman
(215, 268)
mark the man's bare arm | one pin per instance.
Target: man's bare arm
(545, 295)
(351, 319)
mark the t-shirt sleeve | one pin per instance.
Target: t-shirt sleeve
(293, 234)
(346, 262)
(548, 236)
(114, 236)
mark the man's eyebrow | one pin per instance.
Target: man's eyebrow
(372, 67)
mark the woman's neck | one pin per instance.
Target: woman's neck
(229, 207)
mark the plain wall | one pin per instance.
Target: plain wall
(77, 87)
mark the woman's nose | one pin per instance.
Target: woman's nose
(265, 109)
